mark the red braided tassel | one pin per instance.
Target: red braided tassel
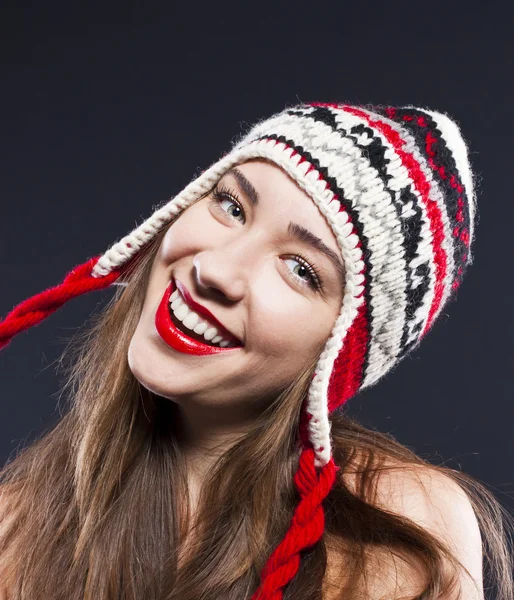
(306, 528)
(32, 311)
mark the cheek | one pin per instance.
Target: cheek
(289, 326)
(182, 237)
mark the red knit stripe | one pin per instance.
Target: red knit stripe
(433, 211)
(347, 372)
(32, 311)
(307, 526)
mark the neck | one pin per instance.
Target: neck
(207, 432)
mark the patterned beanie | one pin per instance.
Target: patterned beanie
(396, 187)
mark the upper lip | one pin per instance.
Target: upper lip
(201, 310)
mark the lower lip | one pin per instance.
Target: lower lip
(175, 338)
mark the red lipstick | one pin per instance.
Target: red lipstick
(177, 339)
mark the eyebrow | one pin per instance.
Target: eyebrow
(297, 231)
(245, 185)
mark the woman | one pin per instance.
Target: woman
(203, 454)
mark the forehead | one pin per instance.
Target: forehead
(280, 197)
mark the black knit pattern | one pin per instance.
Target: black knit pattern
(442, 157)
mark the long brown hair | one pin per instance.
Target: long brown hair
(97, 507)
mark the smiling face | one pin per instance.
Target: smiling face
(260, 257)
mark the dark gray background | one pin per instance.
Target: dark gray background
(105, 113)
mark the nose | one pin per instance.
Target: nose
(221, 272)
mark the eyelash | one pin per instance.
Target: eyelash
(221, 193)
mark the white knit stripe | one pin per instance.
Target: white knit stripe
(437, 195)
(425, 250)
(399, 185)
(317, 403)
(455, 141)
(366, 192)
(399, 180)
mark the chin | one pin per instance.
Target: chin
(159, 373)
(142, 362)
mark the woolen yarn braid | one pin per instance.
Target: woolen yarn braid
(396, 186)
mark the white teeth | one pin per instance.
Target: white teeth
(176, 303)
(210, 333)
(181, 312)
(191, 320)
(201, 327)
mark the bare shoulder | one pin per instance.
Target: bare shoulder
(421, 494)
(435, 502)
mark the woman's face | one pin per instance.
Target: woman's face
(241, 253)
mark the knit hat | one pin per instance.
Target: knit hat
(396, 187)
